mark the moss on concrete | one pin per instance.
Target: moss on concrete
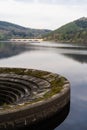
(56, 83)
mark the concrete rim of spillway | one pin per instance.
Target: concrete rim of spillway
(29, 96)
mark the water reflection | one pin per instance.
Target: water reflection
(10, 49)
(78, 53)
(66, 59)
(78, 57)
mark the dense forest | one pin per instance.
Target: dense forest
(10, 30)
(75, 31)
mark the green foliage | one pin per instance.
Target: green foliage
(72, 32)
(81, 23)
(9, 30)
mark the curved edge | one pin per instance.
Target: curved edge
(36, 112)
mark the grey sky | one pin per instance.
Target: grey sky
(49, 14)
(62, 2)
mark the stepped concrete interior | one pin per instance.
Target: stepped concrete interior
(28, 96)
(15, 89)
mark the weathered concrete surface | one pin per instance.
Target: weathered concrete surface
(30, 96)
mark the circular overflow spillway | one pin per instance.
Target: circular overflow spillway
(29, 96)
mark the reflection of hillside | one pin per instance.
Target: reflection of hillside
(78, 57)
(10, 49)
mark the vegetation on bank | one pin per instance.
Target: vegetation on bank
(75, 32)
(10, 30)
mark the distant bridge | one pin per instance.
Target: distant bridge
(26, 40)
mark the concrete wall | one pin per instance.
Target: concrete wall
(37, 112)
(33, 113)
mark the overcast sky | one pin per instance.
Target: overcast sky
(48, 14)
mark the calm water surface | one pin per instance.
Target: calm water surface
(65, 59)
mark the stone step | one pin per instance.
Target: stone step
(15, 85)
(18, 92)
(7, 97)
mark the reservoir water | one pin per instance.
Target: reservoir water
(69, 60)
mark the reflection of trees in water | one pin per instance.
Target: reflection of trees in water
(10, 49)
(78, 57)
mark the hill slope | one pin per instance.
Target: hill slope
(75, 31)
(10, 30)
